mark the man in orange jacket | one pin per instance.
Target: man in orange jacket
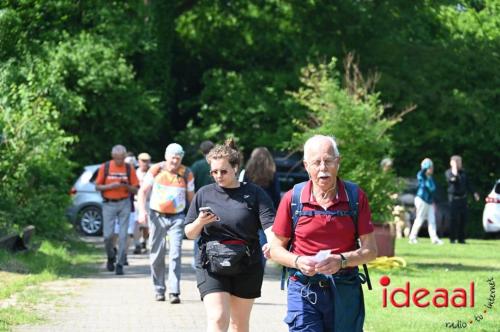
(116, 180)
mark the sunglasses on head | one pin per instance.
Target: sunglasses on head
(214, 172)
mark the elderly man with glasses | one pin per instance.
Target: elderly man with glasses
(172, 188)
(316, 231)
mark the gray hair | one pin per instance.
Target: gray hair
(174, 149)
(386, 162)
(118, 149)
(310, 142)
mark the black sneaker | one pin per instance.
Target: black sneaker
(160, 297)
(138, 249)
(119, 270)
(174, 298)
(110, 265)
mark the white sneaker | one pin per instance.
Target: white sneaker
(413, 241)
(437, 241)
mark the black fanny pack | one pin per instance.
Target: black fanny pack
(227, 257)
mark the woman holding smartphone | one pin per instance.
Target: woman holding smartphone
(231, 212)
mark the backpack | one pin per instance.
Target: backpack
(296, 211)
(106, 170)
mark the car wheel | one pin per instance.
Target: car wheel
(90, 220)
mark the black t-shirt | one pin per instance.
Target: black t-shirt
(242, 212)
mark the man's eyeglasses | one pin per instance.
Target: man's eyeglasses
(329, 162)
(215, 172)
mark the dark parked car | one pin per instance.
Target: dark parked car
(289, 169)
(86, 211)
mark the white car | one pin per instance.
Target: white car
(491, 213)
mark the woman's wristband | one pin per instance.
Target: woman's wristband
(296, 262)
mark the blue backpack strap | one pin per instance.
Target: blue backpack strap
(295, 211)
(352, 194)
(296, 206)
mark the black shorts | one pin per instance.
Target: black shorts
(246, 285)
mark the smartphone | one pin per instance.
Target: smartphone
(208, 209)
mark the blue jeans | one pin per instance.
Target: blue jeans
(310, 307)
(338, 306)
(161, 226)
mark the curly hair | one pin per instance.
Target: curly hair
(260, 168)
(227, 151)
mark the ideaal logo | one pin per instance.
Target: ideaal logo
(438, 298)
(422, 297)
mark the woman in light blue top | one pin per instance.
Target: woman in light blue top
(424, 203)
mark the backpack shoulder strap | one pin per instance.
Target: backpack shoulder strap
(184, 172)
(156, 169)
(296, 205)
(295, 211)
(352, 195)
(127, 169)
(185, 176)
(106, 169)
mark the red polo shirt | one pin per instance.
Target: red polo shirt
(314, 233)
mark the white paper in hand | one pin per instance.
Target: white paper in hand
(321, 255)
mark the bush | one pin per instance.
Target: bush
(354, 116)
(34, 168)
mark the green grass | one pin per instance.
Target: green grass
(430, 266)
(22, 274)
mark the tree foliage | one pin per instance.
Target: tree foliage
(33, 164)
(356, 118)
(441, 56)
(67, 76)
(142, 73)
